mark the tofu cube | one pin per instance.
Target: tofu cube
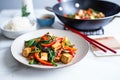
(56, 46)
(44, 56)
(26, 52)
(66, 58)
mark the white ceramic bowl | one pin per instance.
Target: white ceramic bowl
(15, 34)
(81, 45)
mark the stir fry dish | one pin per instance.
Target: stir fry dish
(86, 14)
(49, 50)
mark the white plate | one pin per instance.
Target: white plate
(79, 42)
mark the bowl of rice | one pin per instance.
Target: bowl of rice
(17, 26)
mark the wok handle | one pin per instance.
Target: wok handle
(49, 8)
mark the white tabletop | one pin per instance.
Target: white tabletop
(89, 68)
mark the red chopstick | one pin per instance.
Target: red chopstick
(90, 40)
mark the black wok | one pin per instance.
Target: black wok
(70, 7)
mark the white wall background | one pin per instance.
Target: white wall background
(16, 4)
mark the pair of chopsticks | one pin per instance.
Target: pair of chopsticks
(90, 40)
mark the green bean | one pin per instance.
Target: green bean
(30, 42)
(31, 61)
(51, 56)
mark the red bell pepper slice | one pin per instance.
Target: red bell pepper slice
(72, 50)
(59, 52)
(45, 37)
(50, 44)
(32, 47)
(42, 61)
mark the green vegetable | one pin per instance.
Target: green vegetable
(35, 43)
(55, 64)
(45, 41)
(67, 42)
(29, 43)
(24, 11)
(39, 46)
(33, 61)
(51, 56)
(36, 50)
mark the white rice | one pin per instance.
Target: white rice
(19, 24)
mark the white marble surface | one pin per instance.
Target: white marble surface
(90, 68)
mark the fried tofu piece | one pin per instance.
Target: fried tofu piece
(56, 46)
(26, 52)
(66, 58)
(44, 56)
(77, 17)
